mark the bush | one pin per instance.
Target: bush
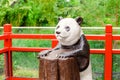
(46, 12)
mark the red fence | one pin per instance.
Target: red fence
(8, 48)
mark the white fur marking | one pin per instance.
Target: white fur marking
(87, 74)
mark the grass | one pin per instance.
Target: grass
(26, 63)
(1, 44)
(2, 77)
(25, 60)
(23, 72)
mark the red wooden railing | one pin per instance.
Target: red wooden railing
(8, 48)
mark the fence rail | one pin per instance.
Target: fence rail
(52, 27)
(8, 48)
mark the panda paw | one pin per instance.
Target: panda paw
(63, 56)
(44, 53)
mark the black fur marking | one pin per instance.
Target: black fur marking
(58, 27)
(80, 51)
(60, 18)
(79, 20)
(67, 28)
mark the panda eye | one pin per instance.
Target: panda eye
(57, 27)
(67, 28)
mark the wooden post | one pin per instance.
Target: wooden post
(58, 68)
(48, 69)
(68, 69)
(8, 53)
(108, 54)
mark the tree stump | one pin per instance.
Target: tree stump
(58, 69)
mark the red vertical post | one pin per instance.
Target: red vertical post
(54, 43)
(8, 53)
(108, 53)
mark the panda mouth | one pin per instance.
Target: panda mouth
(62, 37)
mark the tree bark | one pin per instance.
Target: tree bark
(68, 69)
(58, 69)
(48, 69)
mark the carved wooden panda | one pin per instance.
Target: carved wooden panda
(74, 44)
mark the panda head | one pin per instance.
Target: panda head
(68, 30)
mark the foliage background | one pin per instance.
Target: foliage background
(46, 12)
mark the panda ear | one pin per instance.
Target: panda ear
(60, 18)
(79, 20)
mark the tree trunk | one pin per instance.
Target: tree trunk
(48, 69)
(58, 69)
(68, 69)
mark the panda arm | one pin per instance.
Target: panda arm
(75, 53)
(46, 52)
(84, 49)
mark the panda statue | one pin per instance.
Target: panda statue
(71, 37)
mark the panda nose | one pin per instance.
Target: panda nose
(57, 32)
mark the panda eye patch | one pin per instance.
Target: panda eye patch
(67, 28)
(57, 27)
